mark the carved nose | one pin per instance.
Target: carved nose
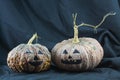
(36, 58)
(70, 57)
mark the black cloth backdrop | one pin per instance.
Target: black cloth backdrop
(52, 20)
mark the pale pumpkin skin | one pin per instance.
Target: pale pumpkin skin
(81, 56)
(29, 58)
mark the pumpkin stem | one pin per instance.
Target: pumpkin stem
(35, 36)
(101, 22)
(76, 39)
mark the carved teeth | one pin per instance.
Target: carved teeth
(68, 61)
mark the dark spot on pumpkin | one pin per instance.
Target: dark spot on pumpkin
(39, 52)
(28, 51)
(94, 47)
(89, 42)
(76, 51)
(82, 43)
(65, 52)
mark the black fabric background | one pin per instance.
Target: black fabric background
(52, 20)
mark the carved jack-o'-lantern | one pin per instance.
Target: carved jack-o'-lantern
(71, 57)
(78, 54)
(29, 57)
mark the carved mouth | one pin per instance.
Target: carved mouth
(35, 63)
(78, 61)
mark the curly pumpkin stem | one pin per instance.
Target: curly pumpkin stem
(76, 39)
(35, 36)
(108, 14)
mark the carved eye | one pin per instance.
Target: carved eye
(39, 52)
(65, 52)
(76, 51)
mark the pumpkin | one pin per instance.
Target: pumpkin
(29, 57)
(78, 54)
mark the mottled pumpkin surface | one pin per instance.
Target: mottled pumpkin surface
(29, 58)
(81, 56)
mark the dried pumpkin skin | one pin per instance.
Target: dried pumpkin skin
(29, 58)
(78, 54)
(84, 55)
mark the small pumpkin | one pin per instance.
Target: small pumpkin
(29, 57)
(78, 54)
